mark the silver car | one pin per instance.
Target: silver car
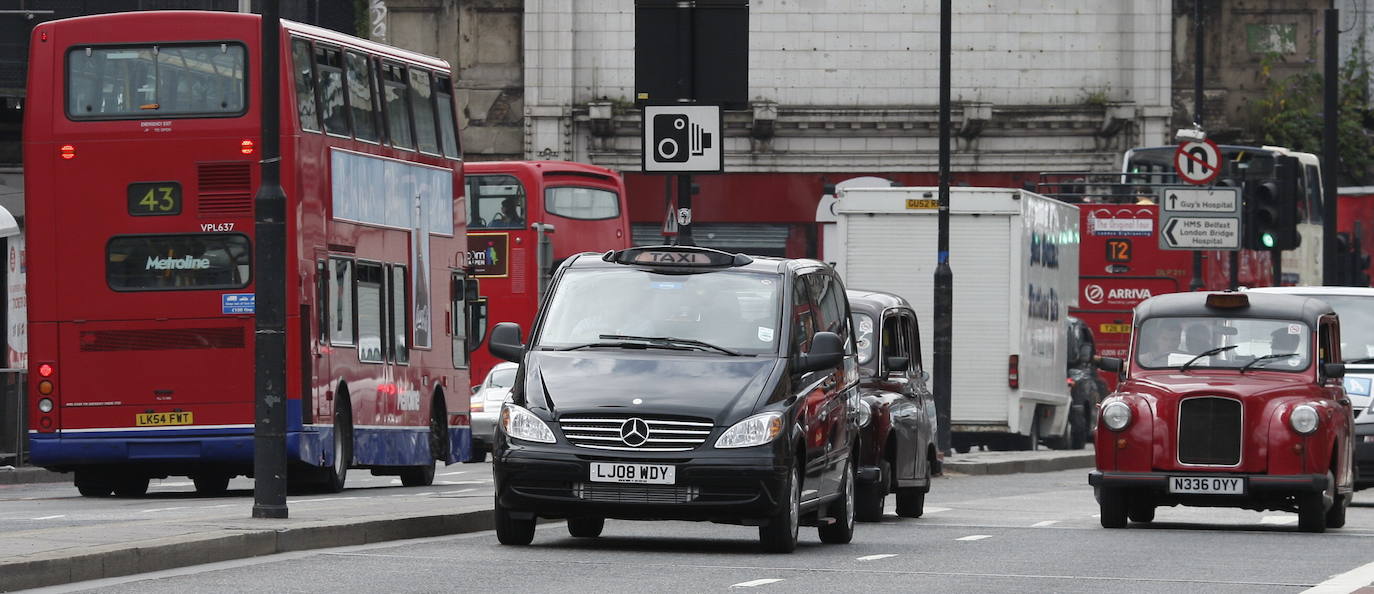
(486, 406)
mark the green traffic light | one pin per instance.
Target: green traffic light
(1267, 239)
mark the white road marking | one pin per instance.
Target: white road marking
(874, 557)
(50, 517)
(975, 537)
(752, 583)
(160, 509)
(935, 510)
(216, 506)
(452, 473)
(460, 491)
(174, 484)
(395, 481)
(1280, 520)
(1044, 523)
(1349, 581)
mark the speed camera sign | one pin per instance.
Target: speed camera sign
(682, 139)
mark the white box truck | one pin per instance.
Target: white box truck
(1014, 257)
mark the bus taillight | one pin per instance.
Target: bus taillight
(45, 370)
(246, 147)
(68, 151)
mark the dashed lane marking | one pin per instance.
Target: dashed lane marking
(1280, 520)
(975, 537)
(161, 509)
(454, 473)
(1044, 523)
(935, 510)
(753, 583)
(875, 557)
(50, 517)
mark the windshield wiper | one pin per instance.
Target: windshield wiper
(669, 340)
(625, 344)
(1357, 361)
(1266, 358)
(1207, 353)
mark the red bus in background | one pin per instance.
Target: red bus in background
(1357, 206)
(139, 149)
(526, 217)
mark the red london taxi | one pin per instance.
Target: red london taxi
(1228, 400)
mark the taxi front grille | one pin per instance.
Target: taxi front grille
(636, 433)
(622, 493)
(1209, 431)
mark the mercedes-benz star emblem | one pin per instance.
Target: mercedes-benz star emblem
(634, 432)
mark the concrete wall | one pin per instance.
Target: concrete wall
(852, 84)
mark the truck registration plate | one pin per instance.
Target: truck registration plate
(162, 418)
(643, 474)
(1209, 485)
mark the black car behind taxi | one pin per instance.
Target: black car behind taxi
(681, 383)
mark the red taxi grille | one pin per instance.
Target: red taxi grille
(161, 340)
(224, 189)
(1209, 431)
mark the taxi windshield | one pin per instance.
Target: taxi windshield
(1228, 343)
(721, 310)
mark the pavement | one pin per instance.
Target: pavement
(151, 542)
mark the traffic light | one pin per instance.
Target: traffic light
(1271, 208)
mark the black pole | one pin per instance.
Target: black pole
(944, 277)
(1197, 283)
(686, 94)
(1331, 161)
(1235, 269)
(269, 211)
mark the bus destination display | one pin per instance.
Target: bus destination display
(154, 198)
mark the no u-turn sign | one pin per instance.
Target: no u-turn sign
(1197, 163)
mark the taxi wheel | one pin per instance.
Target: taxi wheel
(586, 527)
(1335, 517)
(1112, 505)
(842, 510)
(911, 501)
(1312, 507)
(871, 498)
(780, 535)
(511, 531)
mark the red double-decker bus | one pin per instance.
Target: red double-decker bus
(141, 166)
(526, 217)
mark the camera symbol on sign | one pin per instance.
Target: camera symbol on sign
(677, 138)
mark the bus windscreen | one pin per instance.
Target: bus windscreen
(142, 81)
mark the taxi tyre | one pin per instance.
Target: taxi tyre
(512, 531)
(1335, 517)
(841, 531)
(1313, 508)
(1141, 511)
(585, 527)
(911, 501)
(780, 534)
(870, 499)
(1112, 505)
(337, 474)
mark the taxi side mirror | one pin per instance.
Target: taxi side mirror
(1112, 364)
(826, 351)
(1333, 370)
(505, 342)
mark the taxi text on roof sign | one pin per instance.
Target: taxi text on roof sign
(688, 256)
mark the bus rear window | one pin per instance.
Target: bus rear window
(178, 262)
(150, 81)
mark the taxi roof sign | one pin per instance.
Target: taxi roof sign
(1228, 300)
(677, 256)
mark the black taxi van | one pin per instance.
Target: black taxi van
(681, 383)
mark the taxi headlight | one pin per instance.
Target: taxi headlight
(753, 431)
(865, 413)
(1116, 415)
(523, 424)
(1304, 419)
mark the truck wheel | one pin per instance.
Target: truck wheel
(585, 527)
(418, 476)
(871, 498)
(1112, 505)
(842, 510)
(131, 486)
(780, 535)
(511, 531)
